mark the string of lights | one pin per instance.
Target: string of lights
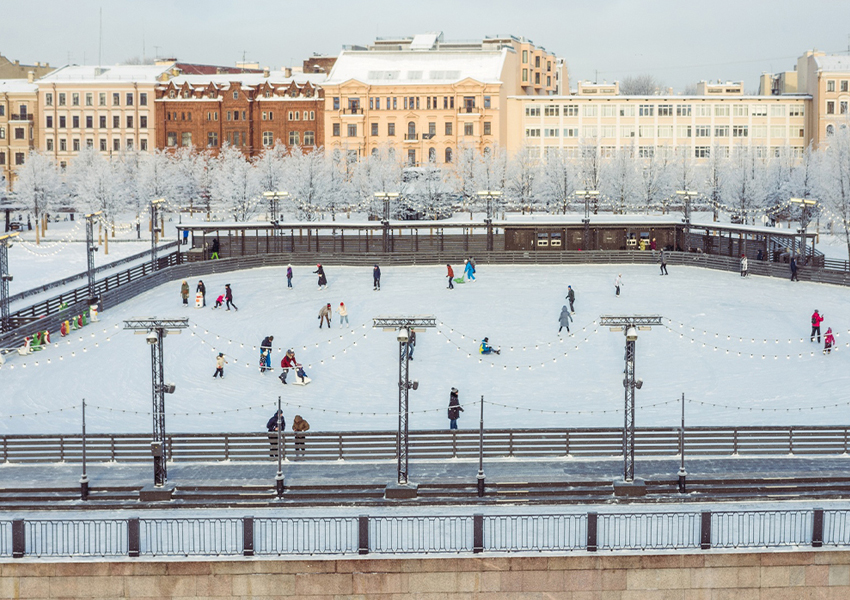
(763, 355)
(741, 339)
(43, 357)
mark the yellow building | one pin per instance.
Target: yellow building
(423, 96)
(18, 114)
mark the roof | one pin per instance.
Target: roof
(198, 69)
(833, 63)
(17, 86)
(248, 79)
(105, 74)
(410, 67)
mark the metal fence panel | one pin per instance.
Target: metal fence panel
(191, 537)
(90, 537)
(5, 538)
(836, 527)
(307, 535)
(420, 535)
(761, 529)
(529, 533)
(648, 531)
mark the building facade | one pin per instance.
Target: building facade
(13, 69)
(18, 115)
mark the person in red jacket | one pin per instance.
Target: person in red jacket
(451, 276)
(288, 363)
(828, 341)
(817, 319)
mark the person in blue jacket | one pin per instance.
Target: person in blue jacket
(486, 348)
(469, 270)
(376, 278)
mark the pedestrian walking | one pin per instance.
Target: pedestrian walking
(817, 319)
(272, 427)
(618, 283)
(219, 365)
(828, 341)
(451, 276)
(571, 296)
(794, 269)
(228, 297)
(289, 276)
(202, 290)
(664, 263)
(454, 408)
(266, 354)
(744, 265)
(376, 278)
(299, 426)
(184, 293)
(343, 314)
(469, 270)
(325, 315)
(564, 319)
(323, 281)
(214, 249)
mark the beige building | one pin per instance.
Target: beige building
(718, 120)
(13, 69)
(18, 115)
(107, 108)
(423, 96)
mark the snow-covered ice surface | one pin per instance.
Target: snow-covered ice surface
(517, 307)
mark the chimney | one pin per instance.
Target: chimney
(266, 72)
(287, 72)
(30, 76)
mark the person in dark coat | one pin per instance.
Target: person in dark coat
(271, 426)
(376, 278)
(564, 319)
(289, 276)
(571, 296)
(454, 409)
(664, 263)
(794, 269)
(323, 281)
(266, 354)
(228, 297)
(214, 249)
(202, 290)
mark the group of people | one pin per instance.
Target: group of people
(468, 273)
(277, 423)
(326, 312)
(287, 363)
(829, 338)
(201, 290)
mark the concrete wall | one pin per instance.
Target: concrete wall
(704, 576)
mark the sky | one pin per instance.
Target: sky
(678, 42)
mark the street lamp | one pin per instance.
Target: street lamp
(386, 197)
(806, 205)
(586, 195)
(91, 248)
(155, 204)
(488, 195)
(274, 197)
(686, 196)
(5, 278)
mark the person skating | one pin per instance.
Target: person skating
(289, 362)
(299, 426)
(214, 249)
(325, 315)
(266, 354)
(817, 319)
(469, 270)
(744, 265)
(828, 341)
(564, 319)
(343, 314)
(618, 282)
(184, 293)
(202, 290)
(219, 301)
(664, 263)
(451, 276)
(228, 296)
(794, 269)
(323, 281)
(219, 365)
(289, 276)
(272, 427)
(454, 408)
(486, 348)
(376, 278)
(571, 296)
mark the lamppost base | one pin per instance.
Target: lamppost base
(401, 491)
(84, 488)
(480, 482)
(279, 485)
(154, 493)
(683, 476)
(631, 489)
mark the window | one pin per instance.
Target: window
(352, 130)
(646, 151)
(116, 121)
(683, 131)
(646, 131)
(777, 131)
(740, 110)
(448, 128)
(758, 110)
(536, 62)
(101, 99)
(702, 151)
(75, 121)
(116, 99)
(186, 139)
(75, 99)
(102, 121)
(62, 124)
(432, 155)
(143, 121)
(89, 121)
(646, 110)
(683, 110)
(143, 99)
(532, 111)
(488, 128)
(212, 139)
(129, 97)
(309, 138)
(842, 107)
(830, 85)
(49, 142)
(844, 87)
(740, 131)
(721, 110)
(448, 155)
(170, 140)
(103, 144)
(830, 108)
(589, 110)
(487, 101)
(19, 158)
(130, 121)
(143, 144)
(796, 110)
(62, 99)
(89, 99)
(411, 157)
(374, 129)
(236, 97)
(268, 139)
(467, 129)
(395, 103)
(532, 132)
(609, 110)
(570, 110)
(551, 110)
(759, 131)
(524, 56)
(48, 99)
(588, 131)
(336, 102)
(116, 143)
(721, 131)
(665, 110)
(129, 141)
(89, 143)
(550, 133)
(76, 145)
(702, 131)
(665, 131)
(432, 129)
(573, 132)
(525, 75)
(49, 122)
(608, 131)
(390, 129)
(63, 145)
(627, 131)
(777, 110)
(830, 130)
(19, 133)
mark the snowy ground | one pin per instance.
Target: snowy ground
(546, 380)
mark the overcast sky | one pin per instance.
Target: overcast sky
(679, 42)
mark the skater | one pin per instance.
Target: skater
(266, 354)
(343, 315)
(214, 249)
(564, 319)
(664, 263)
(618, 282)
(376, 278)
(325, 315)
(454, 409)
(289, 276)
(202, 290)
(273, 429)
(571, 296)
(219, 365)
(323, 281)
(228, 296)
(299, 426)
(451, 276)
(828, 341)
(794, 269)
(184, 293)
(219, 301)
(288, 363)
(469, 270)
(486, 348)
(744, 265)
(411, 344)
(817, 319)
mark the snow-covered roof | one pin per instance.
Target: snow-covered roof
(248, 79)
(102, 74)
(662, 98)
(17, 86)
(833, 63)
(411, 67)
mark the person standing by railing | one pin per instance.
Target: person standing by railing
(272, 428)
(454, 409)
(214, 249)
(744, 265)
(299, 426)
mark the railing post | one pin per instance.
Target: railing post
(477, 533)
(592, 531)
(363, 537)
(19, 539)
(705, 530)
(247, 536)
(817, 528)
(133, 537)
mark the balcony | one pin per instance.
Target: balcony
(428, 136)
(469, 112)
(20, 117)
(352, 112)
(411, 137)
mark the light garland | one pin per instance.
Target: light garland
(763, 356)
(671, 324)
(50, 358)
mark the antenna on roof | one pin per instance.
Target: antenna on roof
(100, 40)
(244, 53)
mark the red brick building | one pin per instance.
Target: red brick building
(249, 111)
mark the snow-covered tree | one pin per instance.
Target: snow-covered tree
(557, 181)
(491, 171)
(425, 193)
(381, 172)
(269, 168)
(523, 169)
(654, 177)
(683, 172)
(713, 180)
(309, 181)
(591, 168)
(465, 163)
(38, 185)
(745, 184)
(235, 184)
(620, 183)
(155, 177)
(94, 183)
(835, 184)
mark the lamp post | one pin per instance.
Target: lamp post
(274, 197)
(91, 248)
(5, 278)
(155, 204)
(686, 197)
(586, 195)
(805, 205)
(488, 196)
(385, 197)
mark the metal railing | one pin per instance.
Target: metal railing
(422, 534)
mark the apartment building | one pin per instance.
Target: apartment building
(720, 119)
(250, 111)
(18, 114)
(13, 69)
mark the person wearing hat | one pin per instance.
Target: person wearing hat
(486, 348)
(343, 314)
(272, 427)
(219, 365)
(454, 409)
(228, 297)
(299, 426)
(817, 319)
(451, 276)
(376, 278)
(571, 296)
(325, 315)
(289, 276)
(323, 281)
(184, 292)
(266, 354)
(828, 341)
(202, 290)
(288, 363)
(744, 265)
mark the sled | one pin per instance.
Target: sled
(460, 280)
(298, 381)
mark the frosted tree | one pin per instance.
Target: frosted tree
(425, 194)
(235, 184)
(269, 168)
(557, 181)
(94, 183)
(683, 173)
(491, 171)
(654, 178)
(38, 185)
(713, 180)
(591, 168)
(309, 181)
(835, 182)
(381, 172)
(745, 184)
(620, 182)
(187, 186)
(522, 173)
(463, 175)
(155, 178)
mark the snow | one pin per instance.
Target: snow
(541, 379)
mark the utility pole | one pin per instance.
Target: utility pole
(488, 195)
(586, 195)
(385, 222)
(5, 278)
(686, 196)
